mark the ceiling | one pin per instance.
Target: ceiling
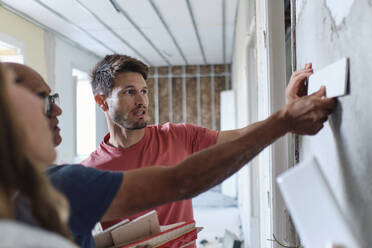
(160, 32)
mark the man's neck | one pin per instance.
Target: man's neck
(122, 138)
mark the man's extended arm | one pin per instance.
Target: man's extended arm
(296, 88)
(152, 186)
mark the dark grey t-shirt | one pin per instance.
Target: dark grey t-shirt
(89, 192)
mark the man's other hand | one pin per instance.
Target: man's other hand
(297, 86)
(306, 115)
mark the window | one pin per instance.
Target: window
(10, 53)
(85, 115)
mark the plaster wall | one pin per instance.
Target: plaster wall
(29, 37)
(328, 30)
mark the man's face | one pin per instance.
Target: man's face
(128, 101)
(32, 80)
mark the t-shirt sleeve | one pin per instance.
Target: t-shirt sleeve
(200, 137)
(89, 192)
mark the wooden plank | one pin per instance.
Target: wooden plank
(191, 101)
(205, 102)
(163, 101)
(151, 106)
(177, 100)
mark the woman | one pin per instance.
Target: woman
(25, 148)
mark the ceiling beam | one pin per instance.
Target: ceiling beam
(124, 13)
(196, 31)
(168, 30)
(113, 32)
(52, 31)
(74, 25)
(224, 31)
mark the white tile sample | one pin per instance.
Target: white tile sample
(313, 208)
(334, 77)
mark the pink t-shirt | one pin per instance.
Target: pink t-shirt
(165, 144)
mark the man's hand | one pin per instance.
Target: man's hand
(306, 115)
(297, 86)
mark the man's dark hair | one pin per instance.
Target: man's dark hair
(105, 71)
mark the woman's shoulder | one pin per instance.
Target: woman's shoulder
(17, 234)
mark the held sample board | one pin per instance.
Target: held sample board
(334, 77)
(313, 208)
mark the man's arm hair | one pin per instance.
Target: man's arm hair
(296, 88)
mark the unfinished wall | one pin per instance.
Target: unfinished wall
(187, 94)
(326, 31)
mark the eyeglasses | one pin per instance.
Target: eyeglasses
(49, 101)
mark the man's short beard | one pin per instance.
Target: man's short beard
(137, 125)
(120, 120)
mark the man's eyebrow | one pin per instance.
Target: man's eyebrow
(129, 86)
(132, 86)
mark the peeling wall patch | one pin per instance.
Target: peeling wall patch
(339, 9)
(300, 5)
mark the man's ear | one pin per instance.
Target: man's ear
(101, 102)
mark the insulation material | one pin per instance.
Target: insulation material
(321, 41)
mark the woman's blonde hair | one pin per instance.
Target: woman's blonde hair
(19, 174)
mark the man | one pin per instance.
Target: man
(94, 195)
(119, 86)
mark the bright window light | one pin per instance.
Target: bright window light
(85, 115)
(9, 53)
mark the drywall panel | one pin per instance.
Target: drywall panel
(323, 39)
(27, 34)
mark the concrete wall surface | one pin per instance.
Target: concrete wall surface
(328, 30)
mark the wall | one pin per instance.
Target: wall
(187, 94)
(244, 83)
(260, 81)
(326, 31)
(68, 57)
(15, 28)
